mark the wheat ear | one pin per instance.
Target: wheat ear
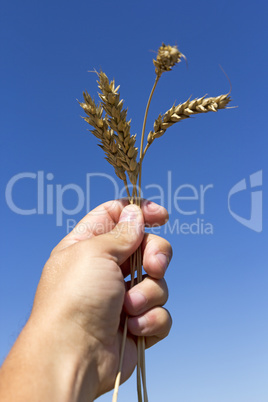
(113, 106)
(104, 133)
(184, 111)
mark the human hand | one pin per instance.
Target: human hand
(82, 293)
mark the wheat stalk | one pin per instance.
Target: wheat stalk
(113, 131)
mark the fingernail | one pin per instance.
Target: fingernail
(163, 260)
(152, 206)
(138, 300)
(142, 322)
(129, 213)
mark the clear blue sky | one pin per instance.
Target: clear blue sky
(217, 349)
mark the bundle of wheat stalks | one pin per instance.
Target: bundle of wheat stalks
(111, 127)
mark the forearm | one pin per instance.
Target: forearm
(44, 365)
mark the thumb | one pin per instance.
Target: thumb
(125, 237)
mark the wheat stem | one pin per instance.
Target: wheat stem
(141, 342)
(145, 150)
(139, 393)
(122, 352)
(127, 190)
(143, 129)
(143, 370)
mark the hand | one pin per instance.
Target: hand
(82, 293)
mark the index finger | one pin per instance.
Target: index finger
(103, 219)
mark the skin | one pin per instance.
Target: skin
(69, 349)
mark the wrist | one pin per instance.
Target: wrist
(71, 358)
(49, 362)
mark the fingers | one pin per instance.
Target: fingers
(105, 217)
(119, 243)
(154, 214)
(143, 304)
(145, 295)
(154, 325)
(126, 236)
(157, 253)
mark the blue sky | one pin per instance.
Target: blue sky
(217, 349)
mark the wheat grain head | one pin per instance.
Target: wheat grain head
(167, 57)
(104, 133)
(184, 111)
(113, 106)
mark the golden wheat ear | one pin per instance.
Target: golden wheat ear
(184, 111)
(104, 133)
(113, 106)
(167, 57)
